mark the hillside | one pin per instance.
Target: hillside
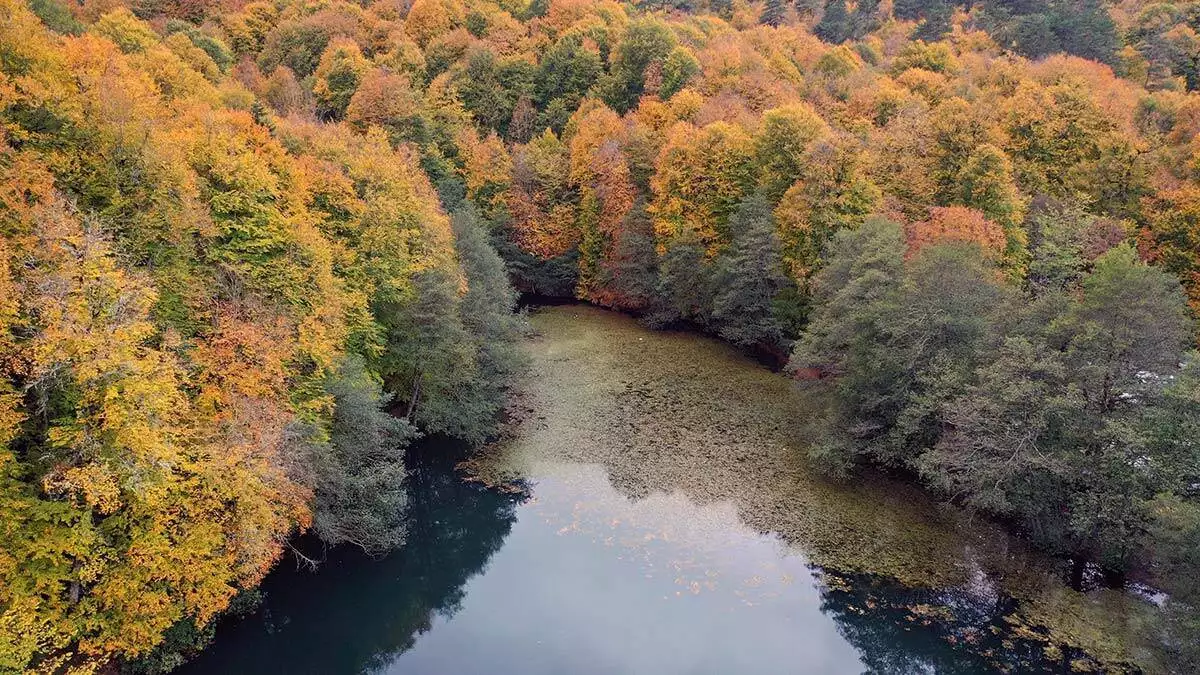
(249, 251)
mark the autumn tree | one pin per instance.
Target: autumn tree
(338, 75)
(831, 194)
(701, 176)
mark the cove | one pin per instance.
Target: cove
(667, 523)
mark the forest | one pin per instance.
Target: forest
(250, 251)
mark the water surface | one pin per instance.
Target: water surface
(670, 525)
(577, 578)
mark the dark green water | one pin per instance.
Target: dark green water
(579, 579)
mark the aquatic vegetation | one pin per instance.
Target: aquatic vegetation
(670, 412)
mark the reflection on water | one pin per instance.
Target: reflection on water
(355, 614)
(581, 579)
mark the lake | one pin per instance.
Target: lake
(666, 522)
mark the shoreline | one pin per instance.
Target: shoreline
(674, 411)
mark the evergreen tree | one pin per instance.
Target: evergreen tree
(360, 497)
(749, 277)
(852, 294)
(1086, 29)
(430, 359)
(488, 308)
(685, 290)
(774, 12)
(632, 273)
(908, 10)
(835, 22)
(935, 20)
(865, 18)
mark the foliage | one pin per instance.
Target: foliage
(198, 302)
(360, 497)
(979, 251)
(1041, 416)
(748, 279)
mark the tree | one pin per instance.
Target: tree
(1086, 29)
(956, 223)
(1000, 453)
(1048, 435)
(851, 295)
(360, 497)
(685, 290)
(338, 74)
(1064, 242)
(901, 352)
(680, 68)
(646, 41)
(1132, 319)
(781, 147)
(700, 177)
(490, 88)
(986, 183)
(935, 20)
(540, 198)
(489, 315)
(389, 100)
(835, 22)
(831, 194)
(629, 277)
(566, 71)
(774, 12)
(749, 277)
(865, 18)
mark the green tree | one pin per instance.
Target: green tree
(647, 40)
(566, 71)
(935, 20)
(429, 358)
(631, 273)
(749, 277)
(835, 22)
(685, 289)
(899, 353)
(852, 295)
(360, 497)
(678, 70)
(865, 18)
(489, 315)
(1063, 432)
(774, 12)
(338, 75)
(1000, 453)
(781, 147)
(1132, 319)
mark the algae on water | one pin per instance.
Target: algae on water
(666, 412)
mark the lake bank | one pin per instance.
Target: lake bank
(667, 522)
(676, 412)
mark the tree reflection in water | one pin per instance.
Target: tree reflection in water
(902, 631)
(357, 614)
(593, 592)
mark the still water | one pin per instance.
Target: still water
(668, 523)
(579, 579)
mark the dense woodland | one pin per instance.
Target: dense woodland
(250, 250)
